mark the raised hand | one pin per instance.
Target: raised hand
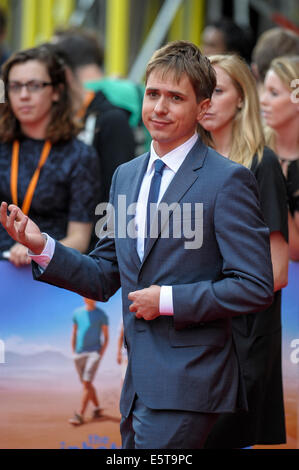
(21, 228)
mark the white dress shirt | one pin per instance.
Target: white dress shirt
(173, 161)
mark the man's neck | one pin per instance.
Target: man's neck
(163, 149)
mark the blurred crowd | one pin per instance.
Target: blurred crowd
(95, 121)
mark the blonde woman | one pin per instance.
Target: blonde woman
(232, 126)
(280, 106)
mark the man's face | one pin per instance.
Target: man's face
(170, 110)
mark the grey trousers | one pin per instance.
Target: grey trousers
(145, 428)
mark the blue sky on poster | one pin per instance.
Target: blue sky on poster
(35, 316)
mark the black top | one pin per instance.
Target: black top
(67, 189)
(273, 199)
(257, 338)
(293, 186)
(111, 136)
(273, 192)
(107, 129)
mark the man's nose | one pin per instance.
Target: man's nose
(161, 106)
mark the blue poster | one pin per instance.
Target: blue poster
(39, 386)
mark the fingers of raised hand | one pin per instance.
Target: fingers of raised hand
(15, 223)
(3, 213)
(19, 256)
(22, 228)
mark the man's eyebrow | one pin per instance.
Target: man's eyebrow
(172, 92)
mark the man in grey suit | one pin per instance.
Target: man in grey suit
(206, 259)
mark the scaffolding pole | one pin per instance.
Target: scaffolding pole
(196, 20)
(117, 37)
(63, 10)
(29, 14)
(154, 38)
(46, 24)
(176, 30)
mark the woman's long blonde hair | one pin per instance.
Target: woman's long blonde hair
(287, 70)
(247, 131)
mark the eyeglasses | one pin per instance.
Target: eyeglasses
(33, 86)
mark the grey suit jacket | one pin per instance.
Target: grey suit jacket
(186, 361)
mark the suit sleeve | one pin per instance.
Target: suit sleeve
(95, 276)
(246, 283)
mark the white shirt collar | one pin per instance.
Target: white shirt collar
(175, 157)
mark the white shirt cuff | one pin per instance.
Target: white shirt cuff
(166, 302)
(44, 258)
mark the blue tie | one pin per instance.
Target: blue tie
(154, 192)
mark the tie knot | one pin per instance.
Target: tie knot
(159, 166)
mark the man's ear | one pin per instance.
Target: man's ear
(203, 107)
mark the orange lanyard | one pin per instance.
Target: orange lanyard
(89, 96)
(14, 175)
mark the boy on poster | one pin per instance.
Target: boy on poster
(89, 324)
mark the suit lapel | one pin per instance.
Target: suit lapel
(180, 184)
(132, 197)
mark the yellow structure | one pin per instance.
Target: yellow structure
(195, 20)
(29, 20)
(117, 37)
(188, 22)
(4, 4)
(177, 28)
(41, 17)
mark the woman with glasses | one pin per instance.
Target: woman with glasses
(43, 167)
(232, 125)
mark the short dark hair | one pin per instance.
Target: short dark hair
(78, 47)
(272, 43)
(61, 126)
(237, 39)
(184, 57)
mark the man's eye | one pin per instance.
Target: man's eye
(176, 98)
(152, 94)
(218, 90)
